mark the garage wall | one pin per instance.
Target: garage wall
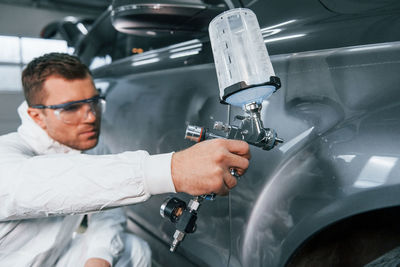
(28, 22)
(9, 102)
(23, 22)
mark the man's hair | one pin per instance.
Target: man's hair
(52, 64)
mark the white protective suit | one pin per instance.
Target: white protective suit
(41, 181)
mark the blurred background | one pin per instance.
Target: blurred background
(21, 39)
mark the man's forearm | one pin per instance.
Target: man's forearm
(65, 184)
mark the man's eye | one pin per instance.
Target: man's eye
(71, 108)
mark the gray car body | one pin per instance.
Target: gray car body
(337, 111)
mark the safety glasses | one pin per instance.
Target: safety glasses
(75, 111)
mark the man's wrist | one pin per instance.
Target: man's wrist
(174, 171)
(97, 262)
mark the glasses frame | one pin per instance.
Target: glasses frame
(64, 105)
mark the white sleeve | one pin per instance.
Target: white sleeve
(60, 184)
(105, 235)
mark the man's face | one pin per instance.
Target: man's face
(82, 135)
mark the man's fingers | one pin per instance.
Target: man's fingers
(229, 180)
(240, 172)
(239, 157)
(236, 162)
(223, 191)
(238, 147)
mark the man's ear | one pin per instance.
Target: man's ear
(37, 116)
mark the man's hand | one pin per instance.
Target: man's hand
(97, 262)
(205, 167)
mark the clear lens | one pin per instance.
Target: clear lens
(75, 113)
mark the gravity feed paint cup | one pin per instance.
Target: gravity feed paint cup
(244, 70)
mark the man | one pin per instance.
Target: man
(44, 176)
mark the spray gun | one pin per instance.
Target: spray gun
(250, 130)
(245, 78)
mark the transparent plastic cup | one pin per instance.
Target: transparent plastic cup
(240, 56)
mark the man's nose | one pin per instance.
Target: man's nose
(89, 113)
